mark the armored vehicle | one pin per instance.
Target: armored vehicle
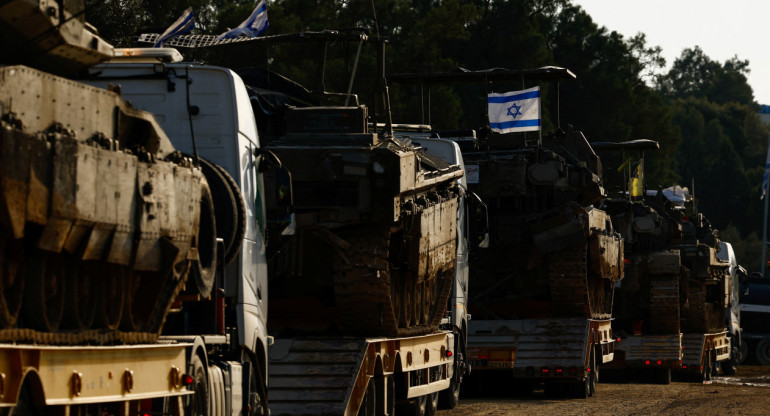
(102, 219)
(543, 290)
(676, 287)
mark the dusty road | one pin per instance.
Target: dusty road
(746, 394)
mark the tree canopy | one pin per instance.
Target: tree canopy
(701, 111)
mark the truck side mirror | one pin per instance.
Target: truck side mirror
(478, 217)
(279, 192)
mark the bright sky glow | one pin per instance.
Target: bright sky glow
(722, 29)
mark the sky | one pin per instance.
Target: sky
(723, 29)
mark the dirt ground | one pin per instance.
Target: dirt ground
(748, 393)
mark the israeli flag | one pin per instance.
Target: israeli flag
(183, 25)
(252, 27)
(514, 111)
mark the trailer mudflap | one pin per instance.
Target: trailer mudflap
(696, 346)
(664, 351)
(88, 374)
(538, 347)
(319, 376)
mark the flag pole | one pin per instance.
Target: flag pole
(764, 221)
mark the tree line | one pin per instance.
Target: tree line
(701, 111)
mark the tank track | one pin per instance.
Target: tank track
(575, 291)
(664, 304)
(370, 292)
(702, 315)
(98, 337)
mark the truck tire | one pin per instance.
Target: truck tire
(369, 404)
(743, 352)
(730, 366)
(198, 403)
(205, 266)
(413, 407)
(448, 399)
(255, 394)
(662, 376)
(229, 207)
(431, 404)
(763, 352)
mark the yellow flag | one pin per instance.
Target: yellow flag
(636, 184)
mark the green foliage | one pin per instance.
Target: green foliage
(748, 249)
(701, 111)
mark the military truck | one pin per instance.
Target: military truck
(671, 308)
(134, 269)
(359, 289)
(541, 294)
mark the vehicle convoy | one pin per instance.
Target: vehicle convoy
(359, 287)
(541, 294)
(133, 256)
(671, 309)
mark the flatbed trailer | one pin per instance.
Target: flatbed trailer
(659, 354)
(120, 378)
(554, 351)
(350, 376)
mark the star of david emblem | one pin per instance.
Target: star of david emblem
(514, 110)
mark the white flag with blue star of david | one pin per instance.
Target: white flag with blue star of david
(252, 27)
(514, 111)
(183, 25)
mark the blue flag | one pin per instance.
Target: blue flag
(767, 173)
(183, 25)
(514, 111)
(252, 27)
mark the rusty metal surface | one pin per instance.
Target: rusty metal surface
(78, 165)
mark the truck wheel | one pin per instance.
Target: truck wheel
(254, 393)
(763, 352)
(369, 404)
(730, 365)
(205, 266)
(198, 403)
(413, 407)
(662, 376)
(743, 352)
(448, 399)
(431, 404)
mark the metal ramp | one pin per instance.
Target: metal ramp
(313, 376)
(695, 345)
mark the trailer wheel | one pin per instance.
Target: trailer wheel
(662, 375)
(255, 395)
(448, 399)
(431, 404)
(198, 403)
(763, 352)
(369, 404)
(413, 407)
(743, 352)
(730, 366)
